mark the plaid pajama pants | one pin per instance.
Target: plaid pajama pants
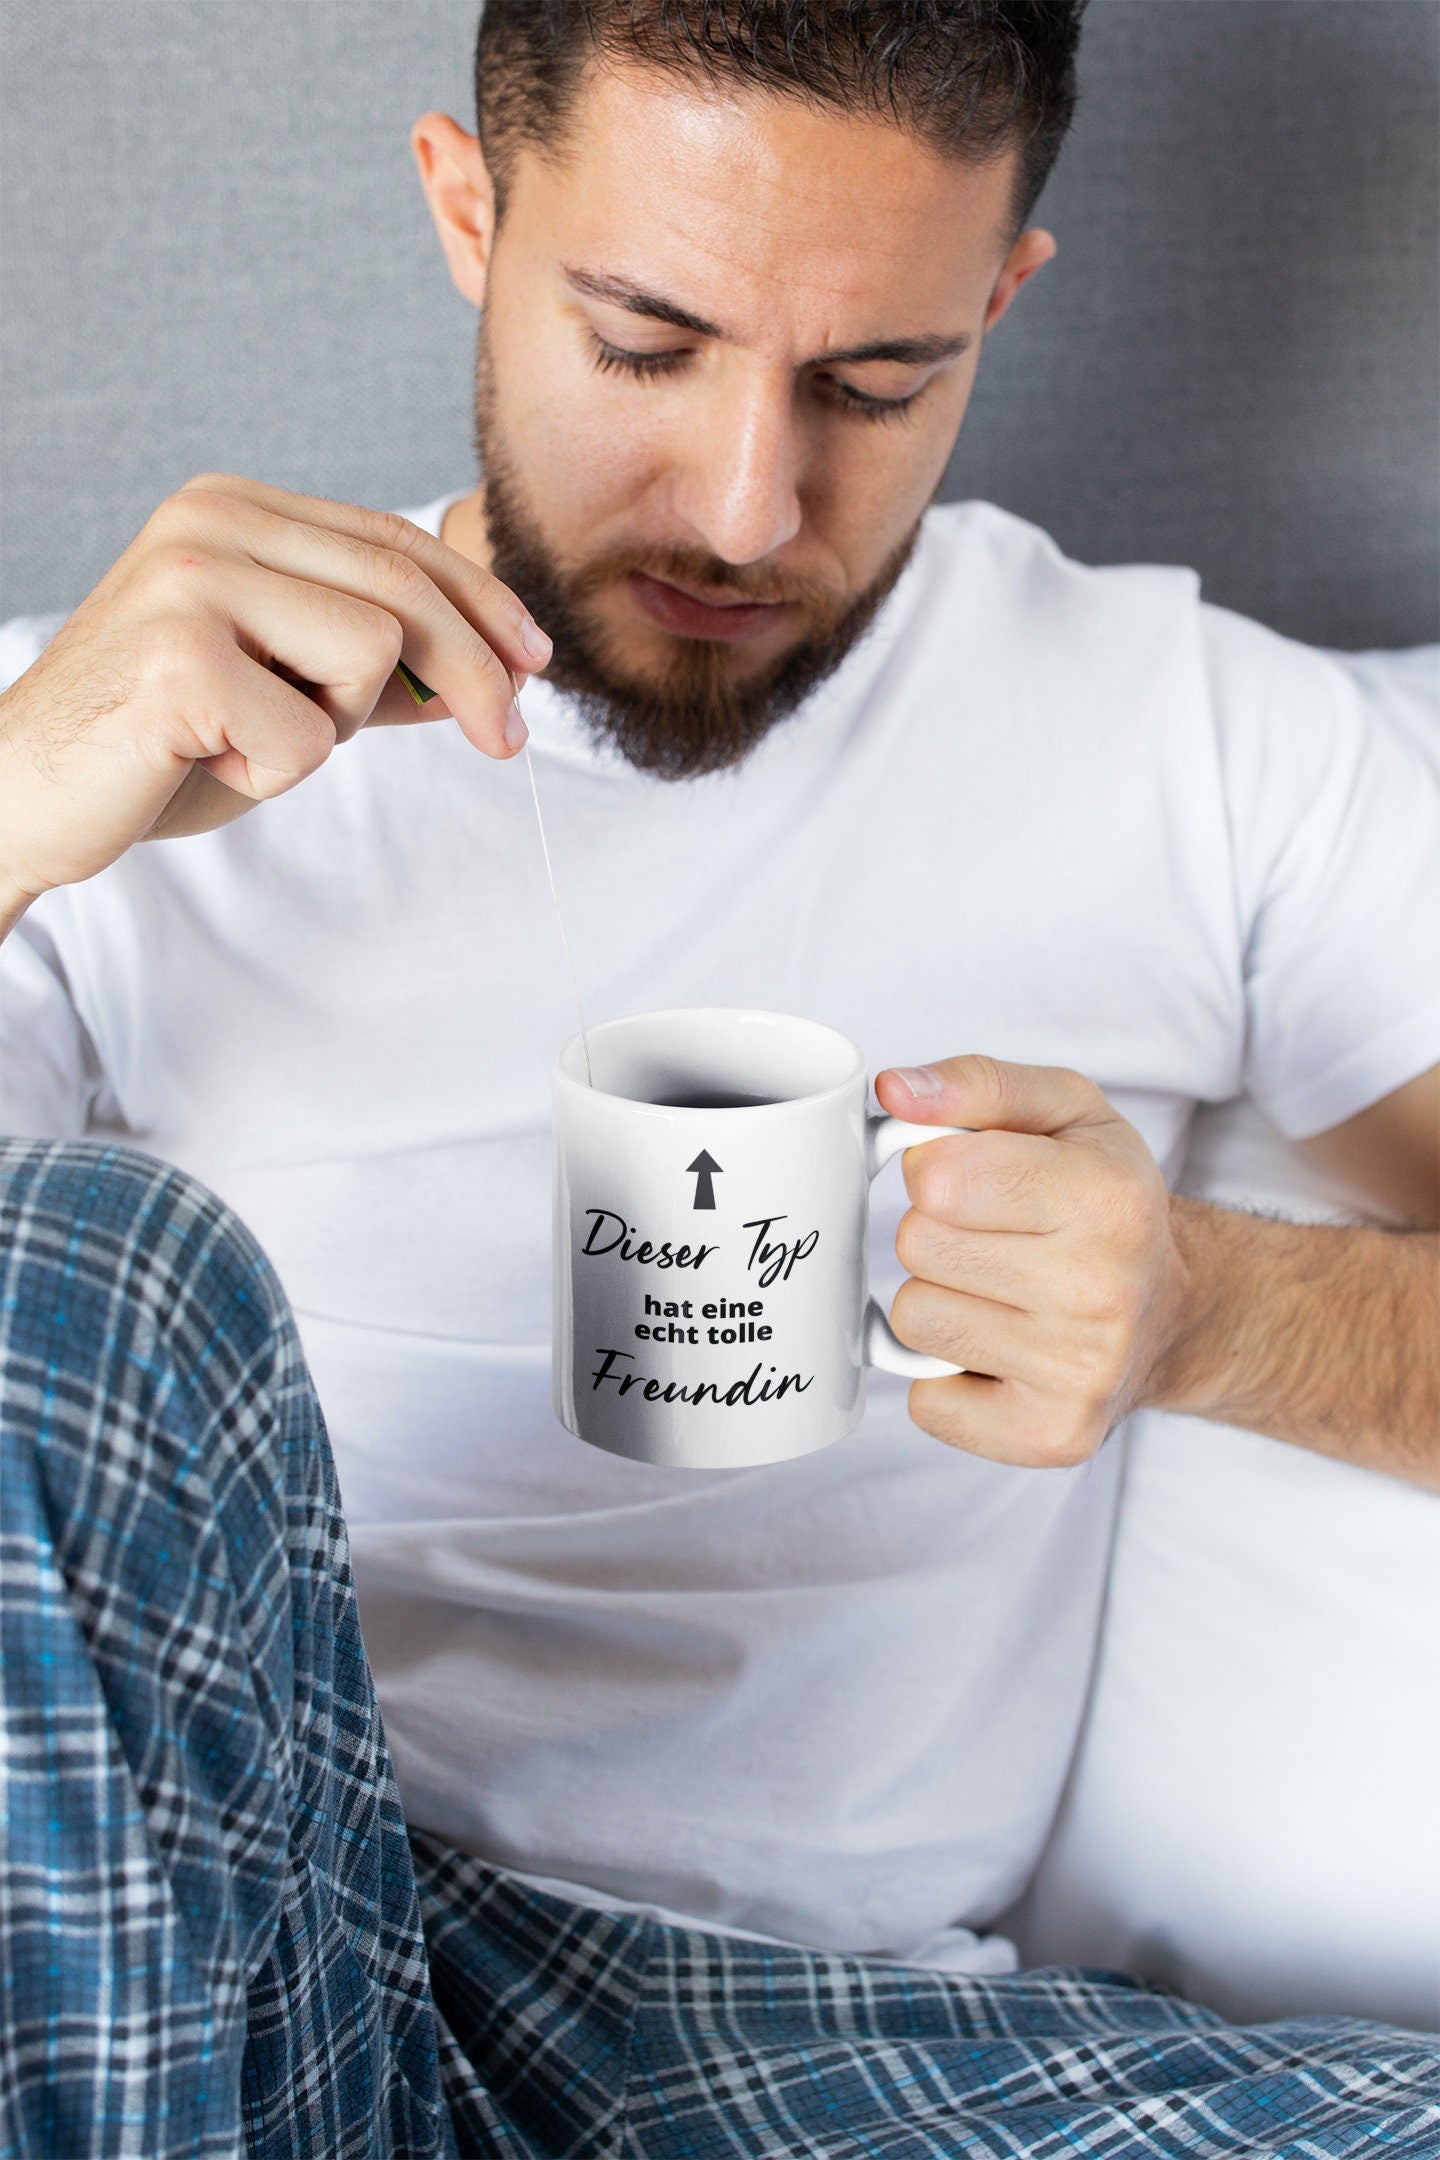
(215, 1937)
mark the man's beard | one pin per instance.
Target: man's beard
(693, 718)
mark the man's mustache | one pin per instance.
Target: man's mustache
(710, 578)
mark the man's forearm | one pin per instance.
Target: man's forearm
(1327, 1337)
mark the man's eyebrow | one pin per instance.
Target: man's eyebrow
(903, 352)
(638, 302)
(900, 352)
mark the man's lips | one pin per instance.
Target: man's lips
(683, 613)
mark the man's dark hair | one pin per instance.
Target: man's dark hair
(963, 75)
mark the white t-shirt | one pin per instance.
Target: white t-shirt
(1064, 815)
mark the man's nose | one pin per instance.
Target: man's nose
(738, 486)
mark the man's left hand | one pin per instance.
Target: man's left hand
(1041, 1259)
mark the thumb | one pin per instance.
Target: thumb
(989, 1095)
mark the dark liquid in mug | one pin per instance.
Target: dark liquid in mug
(713, 1099)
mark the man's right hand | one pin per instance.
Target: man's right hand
(240, 637)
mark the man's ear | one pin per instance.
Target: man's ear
(461, 196)
(1030, 253)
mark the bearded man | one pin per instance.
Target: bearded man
(714, 1784)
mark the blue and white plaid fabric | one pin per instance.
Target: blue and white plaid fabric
(604, 2035)
(208, 1909)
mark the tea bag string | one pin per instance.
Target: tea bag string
(422, 694)
(559, 915)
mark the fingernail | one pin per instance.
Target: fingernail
(516, 732)
(923, 1081)
(535, 642)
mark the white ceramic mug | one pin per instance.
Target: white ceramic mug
(711, 1211)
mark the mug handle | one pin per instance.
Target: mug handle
(881, 1346)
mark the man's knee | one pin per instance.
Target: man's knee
(124, 1279)
(163, 1450)
(75, 1193)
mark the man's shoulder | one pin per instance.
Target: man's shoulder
(997, 598)
(22, 640)
(998, 569)
(980, 529)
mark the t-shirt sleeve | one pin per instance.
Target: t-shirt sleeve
(49, 1075)
(50, 1078)
(1335, 825)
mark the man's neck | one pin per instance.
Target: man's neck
(463, 528)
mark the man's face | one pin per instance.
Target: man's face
(727, 343)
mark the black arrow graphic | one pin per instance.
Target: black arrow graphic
(705, 1168)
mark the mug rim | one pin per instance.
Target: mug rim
(564, 1077)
